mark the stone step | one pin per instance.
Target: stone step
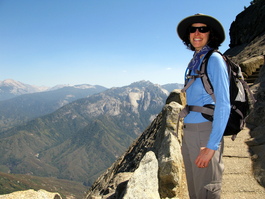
(256, 73)
(252, 78)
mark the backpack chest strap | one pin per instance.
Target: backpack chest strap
(190, 79)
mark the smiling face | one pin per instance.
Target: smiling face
(199, 39)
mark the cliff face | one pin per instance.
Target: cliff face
(247, 33)
(244, 25)
(256, 123)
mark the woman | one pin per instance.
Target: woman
(202, 145)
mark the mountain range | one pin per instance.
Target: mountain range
(20, 102)
(79, 138)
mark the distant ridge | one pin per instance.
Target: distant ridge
(10, 88)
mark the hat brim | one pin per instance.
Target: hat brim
(201, 18)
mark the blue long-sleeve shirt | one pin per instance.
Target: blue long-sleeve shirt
(197, 96)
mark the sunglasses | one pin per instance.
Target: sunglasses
(202, 29)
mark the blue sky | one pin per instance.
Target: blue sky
(111, 43)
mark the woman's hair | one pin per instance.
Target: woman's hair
(214, 40)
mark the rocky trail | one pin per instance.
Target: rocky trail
(238, 180)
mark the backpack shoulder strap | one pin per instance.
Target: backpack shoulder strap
(205, 78)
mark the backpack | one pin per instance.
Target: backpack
(239, 95)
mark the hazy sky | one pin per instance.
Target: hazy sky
(111, 43)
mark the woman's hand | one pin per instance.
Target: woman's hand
(204, 157)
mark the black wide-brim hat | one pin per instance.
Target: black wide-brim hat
(201, 18)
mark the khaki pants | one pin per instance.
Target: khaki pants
(203, 183)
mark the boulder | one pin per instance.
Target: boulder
(31, 194)
(144, 182)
